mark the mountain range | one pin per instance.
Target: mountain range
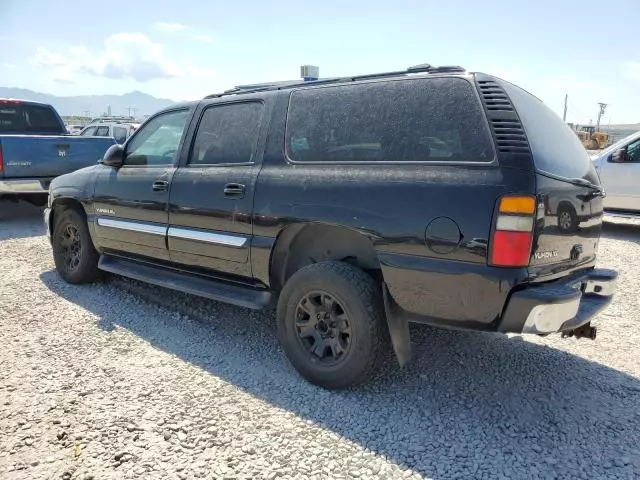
(96, 105)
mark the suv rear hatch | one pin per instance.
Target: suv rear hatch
(570, 205)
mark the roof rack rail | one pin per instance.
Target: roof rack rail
(422, 68)
(112, 119)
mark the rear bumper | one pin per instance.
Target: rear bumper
(559, 306)
(24, 186)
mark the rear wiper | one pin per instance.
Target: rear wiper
(575, 181)
(586, 183)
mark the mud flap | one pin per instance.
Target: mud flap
(398, 329)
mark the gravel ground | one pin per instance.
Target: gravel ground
(121, 380)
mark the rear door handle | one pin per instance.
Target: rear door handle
(234, 190)
(160, 186)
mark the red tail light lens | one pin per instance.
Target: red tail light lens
(513, 233)
(511, 249)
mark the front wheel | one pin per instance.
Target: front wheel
(331, 324)
(75, 257)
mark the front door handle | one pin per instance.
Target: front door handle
(160, 186)
(234, 190)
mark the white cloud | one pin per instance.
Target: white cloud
(8, 65)
(171, 27)
(124, 56)
(632, 69)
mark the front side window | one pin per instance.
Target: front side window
(227, 134)
(633, 151)
(418, 120)
(89, 132)
(102, 131)
(120, 134)
(157, 142)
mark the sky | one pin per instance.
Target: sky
(184, 50)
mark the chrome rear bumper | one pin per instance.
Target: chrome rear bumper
(24, 186)
(559, 306)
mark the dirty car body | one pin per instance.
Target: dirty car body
(464, 198)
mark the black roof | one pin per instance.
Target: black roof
(422, 68)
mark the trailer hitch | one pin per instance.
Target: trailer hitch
(583, 331)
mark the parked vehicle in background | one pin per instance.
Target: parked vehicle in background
(119, 131)
(354, 205)
(35, 147)
(619, 169)
(74, 129)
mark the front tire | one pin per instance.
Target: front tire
(74, 255)
(331, 324)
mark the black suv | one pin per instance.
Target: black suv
(355, 205)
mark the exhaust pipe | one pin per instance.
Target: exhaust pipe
(584, 331)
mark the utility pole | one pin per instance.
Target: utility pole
(564, 115)
(603, 107)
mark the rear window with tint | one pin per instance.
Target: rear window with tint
(24, 118)
(555, 147)
(417, 120)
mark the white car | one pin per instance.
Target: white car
(74, 129)
(119, 131)
(619, 169)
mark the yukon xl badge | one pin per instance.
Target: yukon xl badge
(106, 211)
(545, 255)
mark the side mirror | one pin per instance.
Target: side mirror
(619, 156)
(114, 156)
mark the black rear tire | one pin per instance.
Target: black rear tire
(328, 354)
(74, 255)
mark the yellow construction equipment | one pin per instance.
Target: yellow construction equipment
(590, 139)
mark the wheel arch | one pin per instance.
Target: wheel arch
(566, 204)
(64, 203)
(304, 244)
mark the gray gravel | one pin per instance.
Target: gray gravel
(122, 380)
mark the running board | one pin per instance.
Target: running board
(188, 283)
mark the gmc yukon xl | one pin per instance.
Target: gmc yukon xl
(354, 206)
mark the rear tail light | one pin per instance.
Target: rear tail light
(512, 238)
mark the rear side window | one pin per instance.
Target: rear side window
(24, 118)
(418, 120)
(555, 147)
(227, 134)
